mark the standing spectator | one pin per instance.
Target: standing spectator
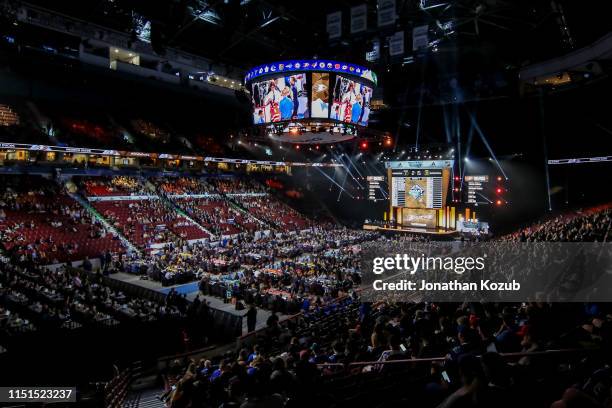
(251, 316)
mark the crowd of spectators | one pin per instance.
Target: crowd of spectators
(591, 225)
(249, 262)
(216, 215)
(69, 298)
(147, 222)
(115, 186)
(184, 185)
(335, 339)
(237, 186)
(341, 354)
(39, 222)
(274, 212)
(287, 275)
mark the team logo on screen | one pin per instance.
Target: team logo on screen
(416, 192)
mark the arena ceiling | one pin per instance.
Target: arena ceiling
(244, 33)
(477, 57)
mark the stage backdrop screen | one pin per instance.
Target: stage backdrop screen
(278, 99)
(351, 101)
(320, 95)
(417, 188)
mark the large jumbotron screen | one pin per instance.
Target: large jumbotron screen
(278, 99)
(320, 95)
(351, 102)
(296, 90)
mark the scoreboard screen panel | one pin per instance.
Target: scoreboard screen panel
(376, 188)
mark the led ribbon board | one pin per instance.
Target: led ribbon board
(311, 66)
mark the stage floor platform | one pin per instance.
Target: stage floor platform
(412, 230)
(191, 290)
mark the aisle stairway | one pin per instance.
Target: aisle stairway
(239, 207)
(144, 399)
(109, 227)
(172, 205)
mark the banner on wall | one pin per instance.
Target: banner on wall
(359, 19)
(386, 12)
(396, 44)
(374, 54)
(334, 25)
(420, 38)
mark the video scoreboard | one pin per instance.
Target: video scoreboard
(474, 186)
(376, 188)
(416, 188)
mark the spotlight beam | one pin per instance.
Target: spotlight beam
(447, 131)
(348, 170)
(480, 194)
(353, 164)
(334, 181)
(342, 187)
(486, 143)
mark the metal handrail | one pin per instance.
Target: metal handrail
(434, 359)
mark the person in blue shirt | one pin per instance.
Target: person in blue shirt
(306, 305)
(286, 104)
(356, 111)
(260, 117)
(254, 354)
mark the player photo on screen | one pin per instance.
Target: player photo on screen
(278, 99)
(351, 101)
(320, 95)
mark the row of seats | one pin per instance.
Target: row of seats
(273, 211)
(215, 215)
(146, 222)
(50, 226)
(116, 186)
